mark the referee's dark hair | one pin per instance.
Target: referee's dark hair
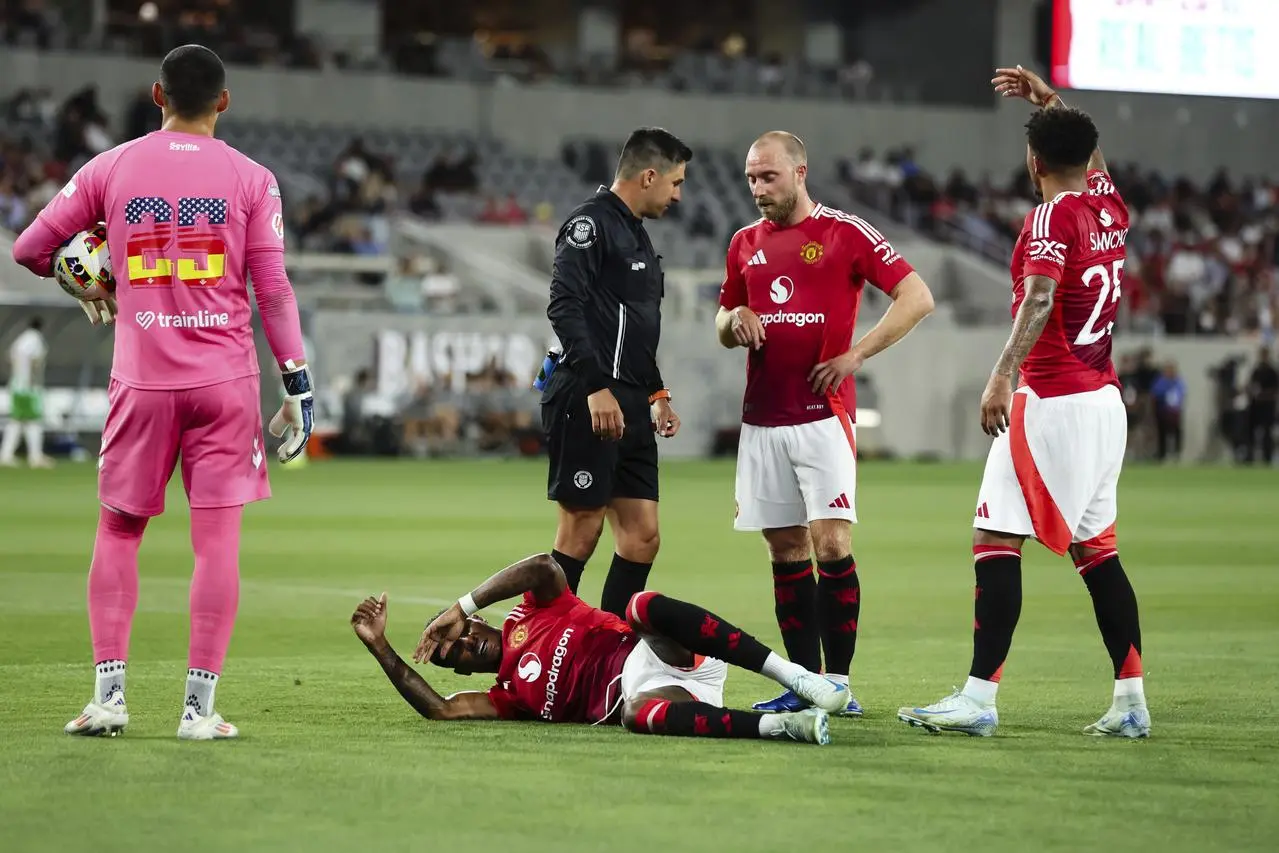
(651, 148)
(1062, 139)
(192, 77)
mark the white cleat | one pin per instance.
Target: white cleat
(1131, 722)
(107, 718)
(808, 726)
(213, 727)
(955, 713)
(820, 691)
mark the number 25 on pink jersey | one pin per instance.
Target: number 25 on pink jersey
(164, 250)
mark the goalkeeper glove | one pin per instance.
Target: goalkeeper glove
(296, 415)
(100, 311)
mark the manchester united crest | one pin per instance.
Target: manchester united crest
(811, 252)
(518, 636)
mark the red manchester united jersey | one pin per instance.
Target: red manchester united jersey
(1077, 240)
(558, 660)
(805, 283)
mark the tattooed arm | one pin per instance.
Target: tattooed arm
(369, 623)
(1036, 308)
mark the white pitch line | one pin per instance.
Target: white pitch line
(262, 586)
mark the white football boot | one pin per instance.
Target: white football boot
(808, 726)
(1130, 720)
(820, 691)
(955, 713)
(213, 727)
(106, 718)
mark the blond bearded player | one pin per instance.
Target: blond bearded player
(792, 285)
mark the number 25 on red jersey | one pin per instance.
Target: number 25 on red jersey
(1101, 321)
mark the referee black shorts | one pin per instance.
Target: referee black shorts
(586, 471)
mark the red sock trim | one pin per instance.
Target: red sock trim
(651, 718)
(796, 576)
(637, 610)
(992, 552)
(1132, 664)
(1089, 563)
(999, 673)
(849, 571)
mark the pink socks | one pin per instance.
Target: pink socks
(215, 585)
(113, 583)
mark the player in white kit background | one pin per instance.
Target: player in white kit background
(27, 356)
(1053, 469)
(188, 220)
(792, 286)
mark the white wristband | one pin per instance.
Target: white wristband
(467, 603)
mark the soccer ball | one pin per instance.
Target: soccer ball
(82, 266)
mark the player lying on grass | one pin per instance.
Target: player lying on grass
(559, 660)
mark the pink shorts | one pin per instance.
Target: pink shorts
(217, 430)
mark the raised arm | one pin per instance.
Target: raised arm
(1020, 83)
(369, 623)
(538, 575)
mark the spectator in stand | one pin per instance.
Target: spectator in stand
(142, 116)
(1144, 376)
(507, 212)
(454, 172)
(1128, 379)
(423, 202)
(1169, 392)
(1263, 394)
(1202, 259)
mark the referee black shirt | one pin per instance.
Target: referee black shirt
(606, 296)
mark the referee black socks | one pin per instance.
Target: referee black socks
(572, 567)
(625, 579)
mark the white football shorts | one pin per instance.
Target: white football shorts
(645, 671)
(1054, 474)
(788, 476)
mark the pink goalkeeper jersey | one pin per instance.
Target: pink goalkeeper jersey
(183, 215)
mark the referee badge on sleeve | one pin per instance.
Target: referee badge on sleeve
(580, 232)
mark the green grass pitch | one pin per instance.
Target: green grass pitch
(330, 758)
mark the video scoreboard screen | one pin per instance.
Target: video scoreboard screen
(1227, 48)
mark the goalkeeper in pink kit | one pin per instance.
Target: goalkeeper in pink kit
(188, 219)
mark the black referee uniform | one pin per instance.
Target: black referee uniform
(606, 310)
